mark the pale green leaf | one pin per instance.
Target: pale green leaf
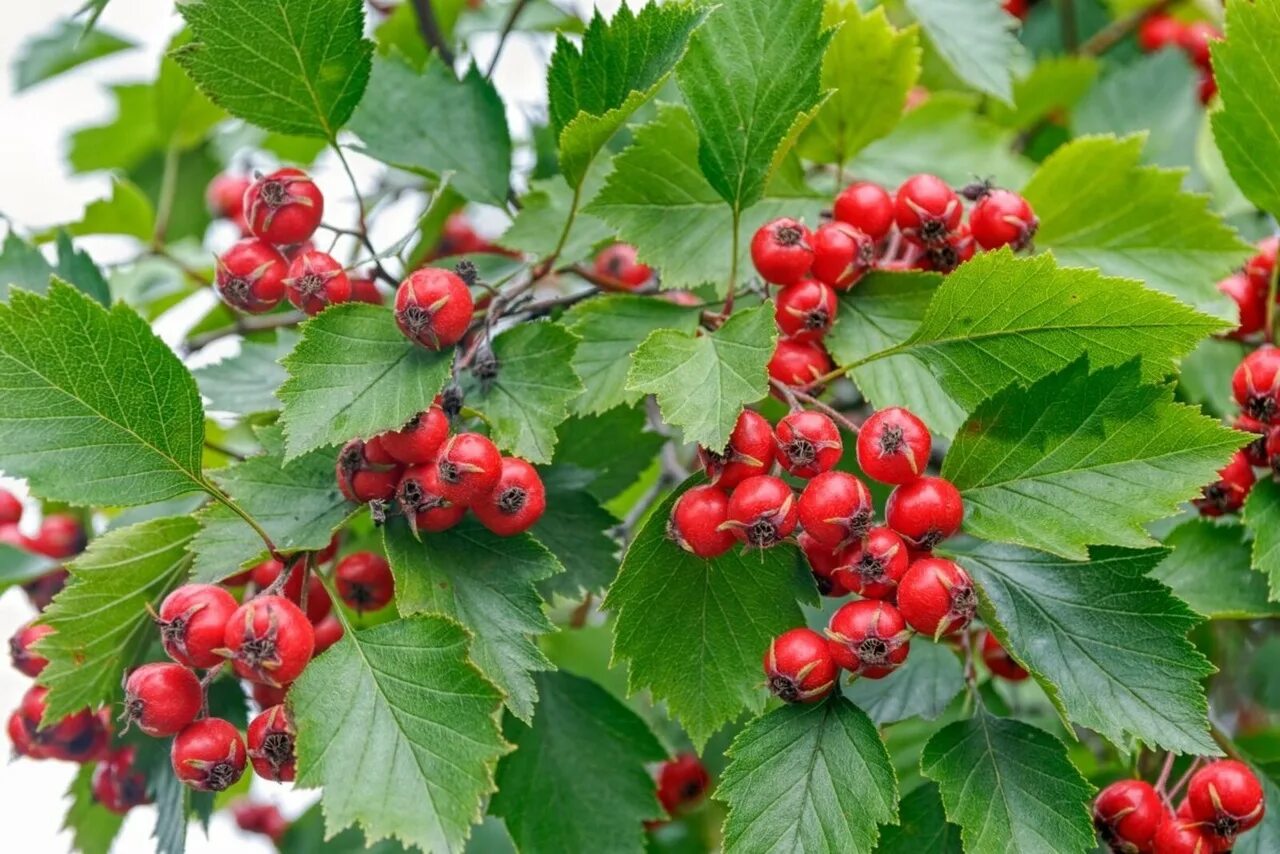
(550, 220)
(75, 267)
(1209, 570)
(1050, 89)
(976, 38)
(183, 115)
(64, 47)
(923, 686)
(127, 212)
(247, 383)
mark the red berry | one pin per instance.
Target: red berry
(618, 262)
(10, 508)
(419, 440)
(925, 511)
(26, 660)
(1126, 813)
(869, 638)
(808, 443)
(841, 254)
(270, 738)
(1251, 304)
(284, 207)
(1195, 39)
(782, 251)
(60, 536)
(1159, 30)
(697, 522)
(937, 597)
(365, 289)
(192, 620)
(682, 782)
(823, 563)
(1017, 8)
(1256, 452)
(926, 209)
(1227, 797)
(268, 639)
(749, 452)
(260, 818)
(805, 311)
(1208, 86)
(364, 581)
(516, 503)
(799, 667)
(1256, 384)
(1259, 267)
(361, 479)
(318, 602)
(41, 590)
(208, 755)
(162, 698)
(458, 237)
(950, 252)
(316, 281)
(866, 206)
(999, 661)
(835, 509)
(117, 785)
(873, 566)
(328, 632)
(421, 498)
(225, 196)
(798, 363)
(1228, 492)
(469, 467)
(267, 696)
(762, 511)
(1003, 218)
(893, 446)
(1179, 836)
(21, 737)
(433, 308)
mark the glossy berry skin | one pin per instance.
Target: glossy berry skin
(762, 511)
(697, 522)
(316, 281)
(433, 308)
(365, 289)
(225, 196)
(161, 698)
(1195, 39)
(260, 818)
(873, 566)
(926, 210)
(419, 440)
(805, 311)
(25, 659)
(782, 251)
(841, 255)
(1260, 266)
(270, 738)
(117, 785)
(1158, 31)
(823, 563)
(328, 632)
(469, 467)
(1256, 452)
(283, 208)
(937, 597)
(268, 639)
(1251, 304)
(999, 661)
(798, 363)
(318, 602)
(364, 581)
(515, 503)
(893, 446)
(1227, 797)
(21, 737)
(1179, 836)
(1256, 384)
(950, 252)
(835, 509)
(749, 453)
(1126, 815)
(1003, 218)
(682, 782)
(10, 508)
(925, 511)
(192, 620)
(618, 263)
(808, 443)
(79, 737)
(799, 667)
(267, 696)
(363, 480)
(208, 756)
(421, 497)
(866, 206)
(60, 536)
(868, 638)
(1228, 493)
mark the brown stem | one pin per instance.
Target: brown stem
(795, 396)
(429, 28)
(187, 270)
(1110, 35)
(507, 27)
(246, 324)
(578, 618)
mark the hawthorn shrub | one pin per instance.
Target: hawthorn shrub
(822, 429)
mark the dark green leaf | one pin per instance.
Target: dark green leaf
(63, 48)
(923, 686)
(1209, 570)
(575, 528)
(1262, 518)
(977, 38)
(922, 826)
(615, 446)
(246, 383)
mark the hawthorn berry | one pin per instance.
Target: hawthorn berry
(316, 281)
(458, 237)
(79, 737)
(25, 659)
(868, 638)
(893, 446)
(1159, 30)
(328, 632)
(937, 597)
(60, 536)
(361, 479)
(22, 736)
(225, 196)
(364, 581)
(950, 252)
(873, 565)
(1270, 450)
(268, 639)
(1256, 452)
(1251, 304)
(762, 511)
(1194, 41)
(162, 698)
(117, 784)
(365, 289)
(841, 255)
(260, 818)
(318, 602)
(1208, 86)
(749, 453)
(999, 661)
(1126, 814)
(805, 311)
(283, 208)
(192, 620)
(799, 667)
(808, 443)
(782, 251)
(1259, 267)
(421, 498)
(469, 467)
(267, 696)
(270, 740)
(835, 509)
(866, 206)
(516, 503)
(433, 308)
(618, 263)
(1228, 492)
(1226, 798)
(926, 210)
(1176, 835)
(10, 508)
(208, 756)
(823, 562)
(682, 782)
(924, 511)
(1256, 384)
(798, 363)
(419, 440)
(1003, 218)
(41, 590)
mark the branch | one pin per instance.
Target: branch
(507, 27)
(429, 28)
(795, 397)
(246, 324)
(1113, 33)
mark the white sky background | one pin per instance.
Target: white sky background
(36, 191)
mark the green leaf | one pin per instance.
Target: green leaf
(401, 732)
(593, 89)
(752, 80)
(183, 115)
(61, 49)
(75, 267)
(1107, 643)
(584, 753)
(976, 38)
(923, 686)
(354, 374)
(575, 528)
(172, 803)
(306, 835)
(1010, 787)
(1209, 570)
(444, 127)
(247, 383)
(702, 381)
(695, 630)
(127, 211)
(1052, 87)
(550, 205)
(486, 583)
(615, 446)
(1080, 459)
(93, 827)
(1000, 319)
(808, 778)
(1262, 519)
(100, 619)
(95, 408)
(922, 826)
(1201, 379)
(1247, 72)
(22, 265)
(18, 566)
(1133, 221)
(123, 142)
(293, 66)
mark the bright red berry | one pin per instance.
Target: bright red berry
(469, 467)
(284, 207)
(999, 661)
(268, 639)
(1256, 452)
(41, 590)
(749, 452)
(260, 818)
(421, 498)
(10, 508)
(869, 638)
(1017, 8)
(458, 237)
(618, 263)
(515, 503)
(926, 209)
(363, 480)
(208, 755)
(162, 698)
(835, 509)
(318, 602)
(805, 311)
(1208, 86)
(1256, 384)
(192, 620)
(225, 196)
(841, 255)
(798, 363)
(1260, 266)
(25, 659)
(762, 511)
(267, 696)
(60, 536)
(365, 289)
(799, 667)
(316, 281)
(270, 740)
(682, 782)
(1251, 304)
(873, 565)
(1195, 39)
(823, 562)
(937, 597)
(433, 308)
(117, 784)
(1178, 836)
(697, 522)
(1159, 30)
(364, 581)
(419, 440)
(950, 252)
(1226, 796)
(782, 251)
(925, 511)
(866, 206)
(1127, 813)
(893, 446)
(328, 632)
(1228, 492)
(1003, 218)
(808, 443)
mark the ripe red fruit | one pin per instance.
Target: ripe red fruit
(841, 254)
(1227, 797)
(805, 311)
(10, 508)
(925, 511)
(749, 452)
(697, 522)
(782, 251)
(869, 638)
(893, 446)
(1251, 304)
(808, 443)
(950, 252)
(1228, 492)
(433, 308)
(682, 782)
(798, 363)
(192, 620)
(1256, 384)
(835, 509)
(1256, 452)
(926, 209)
(270, 739)
(515, 503)
(328, 632)
(42, 589)
(762, 511)
(365, 289)
(799, 667)
(284, 207)
(421, 498)
(458, 237)
(260, 818)
(316, 281)
(21, 737)
(1176, 835)
(823, 563)
(60, 536)
(364, 581)
(999, 661)
(267, 696)
(1208, 86)
(225, 196)
(162, 698)
(268, 639)
(117, 785)
(208, 755)
(26, 660)
(618, 263)
(866, 206)
(361, 479)
(1127, 813)
(318, 602)
(1003, 218)
(420, 439)
(873, 566)
(469, 467)
(1260, 266)
(1195, 39)
(1159, 30)
(937, 597)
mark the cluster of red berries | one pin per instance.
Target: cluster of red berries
(1161, 30)
(1223, 799)
(61, 536)
(921, 227)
